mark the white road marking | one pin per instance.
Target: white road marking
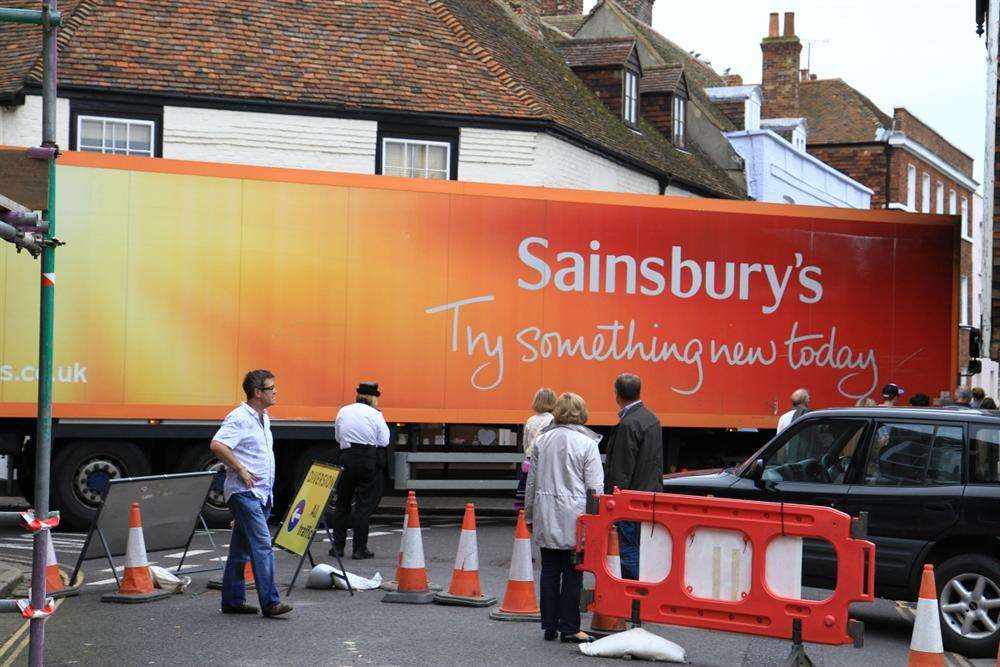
(193, 552)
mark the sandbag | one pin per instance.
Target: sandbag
(635, 643)
(327, 576)
(167, 580)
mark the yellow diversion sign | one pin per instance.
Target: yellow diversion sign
(304, 513)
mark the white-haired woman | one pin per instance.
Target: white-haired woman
(542, 404)
(565, 463)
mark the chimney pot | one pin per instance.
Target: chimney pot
(803, 75)
(813, 77)
(789, 24)
(772, 26)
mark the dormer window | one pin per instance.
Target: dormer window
(630, 108)
(679, 120)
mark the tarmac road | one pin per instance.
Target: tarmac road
(333, 628)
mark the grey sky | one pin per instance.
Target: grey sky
(920, 54)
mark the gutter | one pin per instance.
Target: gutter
(898, 139)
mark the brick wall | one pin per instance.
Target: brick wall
(641, 9)
(899, 162)
(606, 82)
(914, 128)
(865, 163)
(734, 110)
(657, 109)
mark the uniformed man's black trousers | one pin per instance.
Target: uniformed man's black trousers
(357, 496)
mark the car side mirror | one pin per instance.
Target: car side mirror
(756, 473)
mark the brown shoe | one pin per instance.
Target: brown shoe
(277, 610)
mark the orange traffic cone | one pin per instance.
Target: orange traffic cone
(519, 601)
(926, 649)
(465, 589)
(248, 579)
(136, 584)
(54, 585)
(411, 572)
(599, 623)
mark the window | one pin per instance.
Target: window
(911, 187)
(939, 208)
(952, 203)
(631, 108)
(907, 454)
(984, 452)
(966, 222)
(751, 113)
(963, 315)
(679, 120)
(416, 159)
(818, 452)
(799, 139)
(925, 193)
(121, 136)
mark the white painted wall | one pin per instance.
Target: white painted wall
(271, 140)
(22, 125)
(776, 172)
(533, 158)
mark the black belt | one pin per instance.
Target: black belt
(352, 445)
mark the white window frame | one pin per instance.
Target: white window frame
(925, 193)
(631, 100)
(966, 223)
(678, 120)
(113, 119)
(952, 202)
(963, 316)
(422, 142)
(911, 187)
(939, 198)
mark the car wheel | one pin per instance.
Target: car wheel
(81, 472)
(969, 603)
(215, 510)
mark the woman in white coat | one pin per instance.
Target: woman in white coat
(565, 464)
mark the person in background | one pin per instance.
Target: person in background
(963, 397)
(565, 465)
(988, 404)
(920, 401)
(634, 461)
(361, 431)
(245, 446)
(865, 403)
(890, 393)
(800, 406)
(978, 394)
(544, 401)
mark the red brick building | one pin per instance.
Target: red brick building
(906, 163)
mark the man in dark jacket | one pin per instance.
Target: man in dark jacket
(634, 461)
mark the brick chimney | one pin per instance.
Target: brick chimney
(732, 79)
(529, 12)
(560, 7)
(780, 80)
(641, 9)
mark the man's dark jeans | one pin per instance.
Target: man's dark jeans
(628, 547)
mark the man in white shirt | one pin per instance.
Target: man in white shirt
(800, 406)
(245, 446)
(361, 431)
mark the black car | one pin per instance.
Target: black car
(929, 479)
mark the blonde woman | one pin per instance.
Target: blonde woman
(565, 464)
(544, 401)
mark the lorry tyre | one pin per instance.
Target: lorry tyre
(215, 511)
(969, 603)
(81, 472)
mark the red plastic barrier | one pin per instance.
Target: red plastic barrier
(760, 611)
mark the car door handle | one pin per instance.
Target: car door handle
(940, 507)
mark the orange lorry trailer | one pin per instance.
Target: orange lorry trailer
(460, 300)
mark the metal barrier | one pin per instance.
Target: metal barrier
(758, 611)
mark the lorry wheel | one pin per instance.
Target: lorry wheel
(214, 510)
(969, 603)
(81, 472)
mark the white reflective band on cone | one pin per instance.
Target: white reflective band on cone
(520, 562)
(135, 553)
(467, 557)
(927, 628)
(413, 549)
(50, 556)
(615, 566)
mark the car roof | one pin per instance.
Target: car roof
(951, 413)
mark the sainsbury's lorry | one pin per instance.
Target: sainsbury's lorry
(460, 300)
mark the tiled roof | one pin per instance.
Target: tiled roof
(837, 113)
(568, 24)
(661, 79)
(431, 56)
(596, 52)
(698, 75)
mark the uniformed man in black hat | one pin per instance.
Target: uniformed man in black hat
(363, 435)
